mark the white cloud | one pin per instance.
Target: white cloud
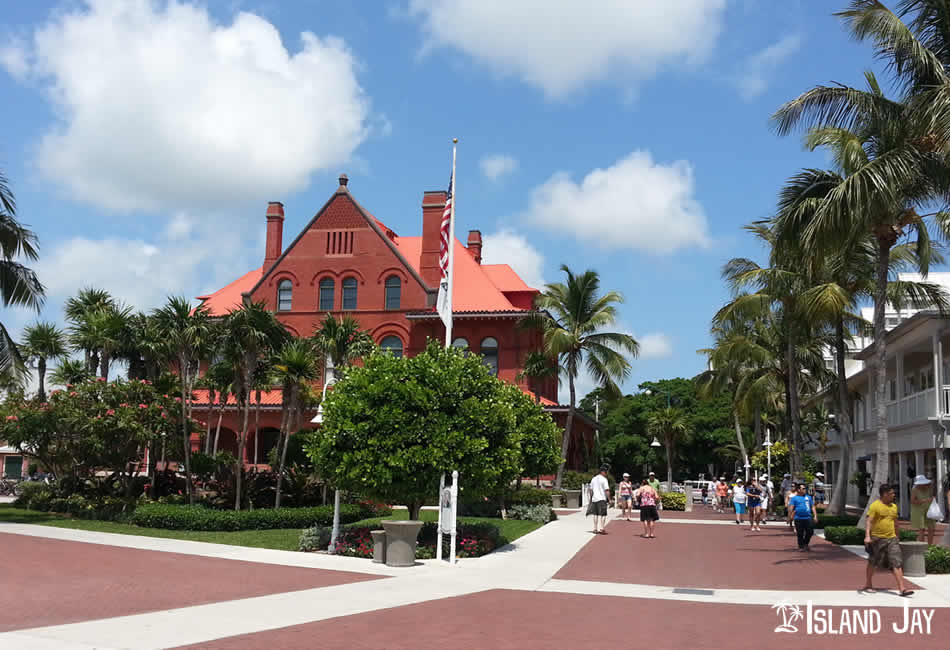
(179, 227)
(655, 346)
(634, 204)
(758, 69)
(161, 107)
(508, 247)
(561, 47)
(143, 273)
(497, 165)
(13, 58)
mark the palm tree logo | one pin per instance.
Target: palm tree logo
(789, 614)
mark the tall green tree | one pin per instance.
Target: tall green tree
(251, 335)
(69, 371)
(41, 342)
(89, 324)
(296, 365)
(572, 317)
(899, 169)
(19, 285)
(187, 334)
(673, 426)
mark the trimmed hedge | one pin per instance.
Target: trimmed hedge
(528, 496)
(826, 521)
(937, 559)
(172, 517)
(673, 501)
(854, 536)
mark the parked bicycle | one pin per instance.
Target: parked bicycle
(9, 488)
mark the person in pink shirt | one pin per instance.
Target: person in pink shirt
(649, 515)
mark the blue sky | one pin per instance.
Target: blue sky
(143, 139)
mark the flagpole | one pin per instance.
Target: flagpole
(451, 273)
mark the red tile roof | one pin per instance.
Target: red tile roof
(505, 278)
(225, 300)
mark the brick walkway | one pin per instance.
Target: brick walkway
(702, 584)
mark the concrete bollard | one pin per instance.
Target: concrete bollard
(912, 553)
(573, 498)
(379, 546)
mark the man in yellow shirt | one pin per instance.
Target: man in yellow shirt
(882, 540)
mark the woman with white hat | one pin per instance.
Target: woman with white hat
(625, 494)
(921, 496)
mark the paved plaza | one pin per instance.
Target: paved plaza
(703, 582)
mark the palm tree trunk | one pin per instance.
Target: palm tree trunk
(669, 463)
(242, 440)
(41, 372)
(845, 435)
(284, 426)
(742, 450)
(104, 363)
(222, 403)
(880, 370)
(794, 408)
(757, 425)
(186, 432)
(257, 424)
(208, 423)
(566, 440)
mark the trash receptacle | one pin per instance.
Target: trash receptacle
(573, 498)
(912, 553)
(379, 546)
(557, 501)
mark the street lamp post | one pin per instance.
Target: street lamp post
(318, 419)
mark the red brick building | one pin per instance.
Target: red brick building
(345, 260)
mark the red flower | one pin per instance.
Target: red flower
(143, 406)
(110, 412)
(73, 393)
(177, 399)
(100, 378)
(12, 418)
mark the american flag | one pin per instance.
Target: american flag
(444, 233)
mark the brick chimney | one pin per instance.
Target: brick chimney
(275, 233)
(475, 244)
(433, 204)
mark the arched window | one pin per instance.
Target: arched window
(326, 294)
(284, 295)
(393, 345)
(490, 354)
(349, 293)
(460, 343)
(393, 292)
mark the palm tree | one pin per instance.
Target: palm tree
(536, 368)
(295, 366)
(68, 372)
(219, 378)
(898, 168)
(43, 341)
(263, 380)
(145, 348)
(19, 285)
(572, 318)
(83, 335)
(673, 425)
(186, 333)
(252, 333)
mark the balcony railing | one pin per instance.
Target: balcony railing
(913, 408)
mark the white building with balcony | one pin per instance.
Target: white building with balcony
(918, 407)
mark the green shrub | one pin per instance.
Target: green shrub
(824, 521)
(57, 504)
(539, 513)
(315, 538)
(854, 536)
(528, 496)
(34, 495)
(573, 480)
(937, 559)
(76, 504)
(174, 517)
(674, 501)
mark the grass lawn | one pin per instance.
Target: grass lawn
(284, 539)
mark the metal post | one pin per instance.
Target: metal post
(455, 492)
(438, 543)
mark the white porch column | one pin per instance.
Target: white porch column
(900, 374)
(919, 461)
(938, 371)
(903, 492)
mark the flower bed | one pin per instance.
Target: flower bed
(473, 540)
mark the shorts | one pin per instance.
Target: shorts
(597, 508)
(755, 504)
(649, 513)
(740, 508)
(765, 504)
(885, 553)
(626, 497)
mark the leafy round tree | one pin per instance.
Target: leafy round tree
(392, 426)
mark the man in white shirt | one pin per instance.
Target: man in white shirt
(600, 492)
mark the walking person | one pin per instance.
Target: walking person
(767, 499)
(722, 493)
(802, 506)
(789, 511)
(625, 490)
(921, 496)
(754, 504)
(882, 540)
(649, 500)
(600, 492)
(739, 500)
